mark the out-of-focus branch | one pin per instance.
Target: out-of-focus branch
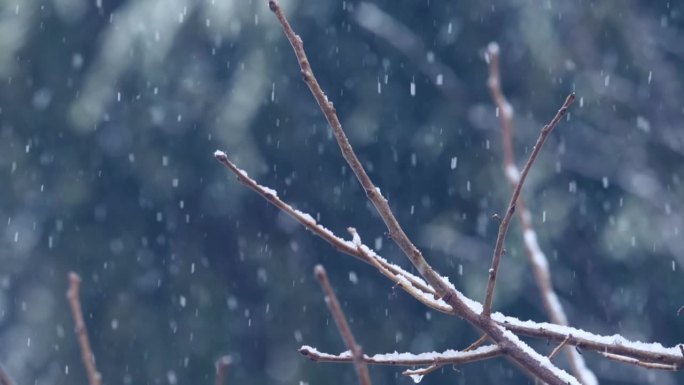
(538, 261)
(505, 222)
(343, 326)
(94, 377)
(5, 378)
(222, 365)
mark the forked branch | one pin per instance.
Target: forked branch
(506, 221)
(538, 261)
(417, 288)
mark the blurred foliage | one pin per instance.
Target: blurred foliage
(110, 112)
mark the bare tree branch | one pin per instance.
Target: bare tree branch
(616, 344)
(516, 350)
(409, 282)
(505, 222)
(538, 261)
(496, 327)
(643, 364)
(417, 288)
(94, 377)
(343, 326)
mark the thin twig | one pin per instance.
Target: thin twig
(653, 352)
(680, 310)
(343, 326)
(94, 377)
(503, 226)
(476, 344)
(559, 347)
(453, 357)
(538, 261)
(222, 365)
(644, 364)
(5, 378)
(412, 284)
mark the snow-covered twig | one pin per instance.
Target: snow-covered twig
(94, 377)
(538, 261)
(413, 285)
(343, 326)
(449, 357)
(643, 364)
(616, 344)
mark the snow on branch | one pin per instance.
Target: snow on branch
(448, 357)
(433, 289)
(424, 293)
(538, 261)
(413, 285)
(616, 344)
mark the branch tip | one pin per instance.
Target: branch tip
(319, 273)
(220, 156)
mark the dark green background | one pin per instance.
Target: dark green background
(111, 111)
